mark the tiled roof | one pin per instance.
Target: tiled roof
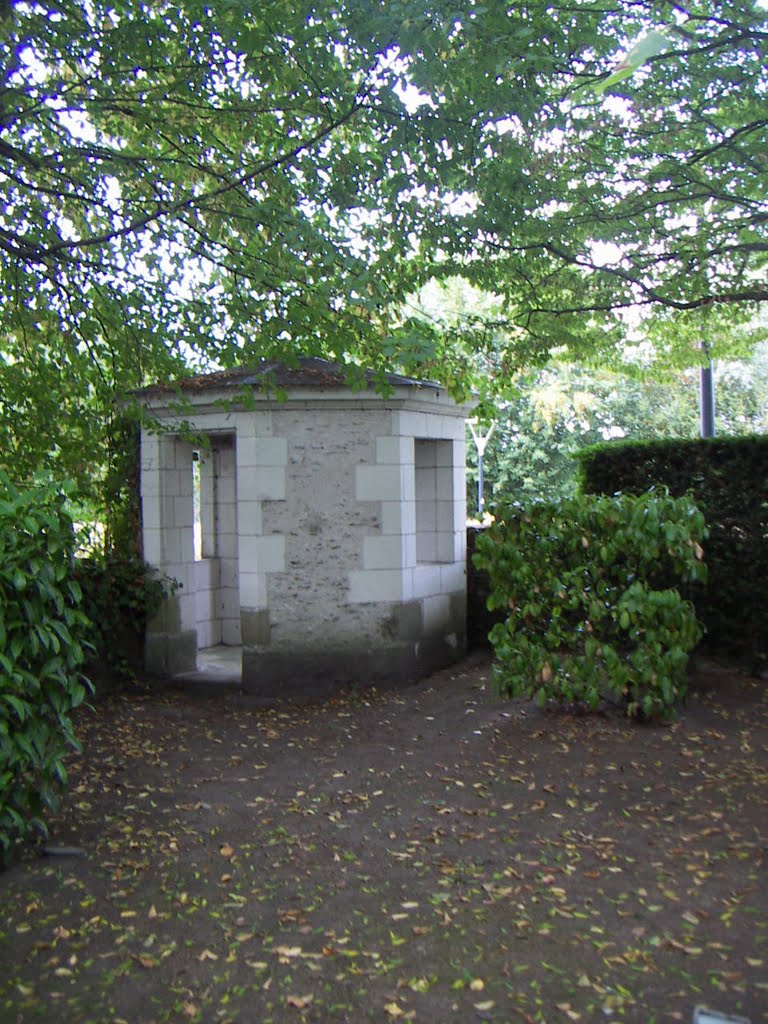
(307, 373)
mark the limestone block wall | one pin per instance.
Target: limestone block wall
(261, 475)
(321, 527)
(216, 577)
(206, 582)
(207, 569)
(205, 609)
(227, 544)
(354, 598)
(422, 460)
(167, 515)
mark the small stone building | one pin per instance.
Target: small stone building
(320, 527)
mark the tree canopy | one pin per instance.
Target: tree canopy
(648, 195)
(191, 184)
(180, 183)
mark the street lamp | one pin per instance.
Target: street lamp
(481, 443)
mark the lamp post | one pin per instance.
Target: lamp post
(481, 443)
(707, 395)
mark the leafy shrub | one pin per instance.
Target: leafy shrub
(726, 477)
(41, 652)
(589, 609)
(119, 596)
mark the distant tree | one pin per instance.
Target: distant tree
(564, 408)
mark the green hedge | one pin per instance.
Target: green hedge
(728, 479)
(590, 614)
(42, 634)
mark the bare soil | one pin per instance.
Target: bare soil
(433, 854)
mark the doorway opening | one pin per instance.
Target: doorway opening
(216, 564)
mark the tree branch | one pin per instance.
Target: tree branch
(37, 254)
(653, 295)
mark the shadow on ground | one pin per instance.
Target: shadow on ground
(434, 854)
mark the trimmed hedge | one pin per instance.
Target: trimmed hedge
(728, 479)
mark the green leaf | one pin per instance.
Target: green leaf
(21, 708)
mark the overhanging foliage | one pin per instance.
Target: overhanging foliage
(194, 183)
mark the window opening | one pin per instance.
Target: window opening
(197, 506)
(204, 502)
(433, 461)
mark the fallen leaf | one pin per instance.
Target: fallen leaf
(287, 951)
(419, 984)
(568, 1010)
(487, 1005)
(393, 1010)
(689, 950)
(477, 985)
(299, 1002)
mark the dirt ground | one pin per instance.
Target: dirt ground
(434, 854)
